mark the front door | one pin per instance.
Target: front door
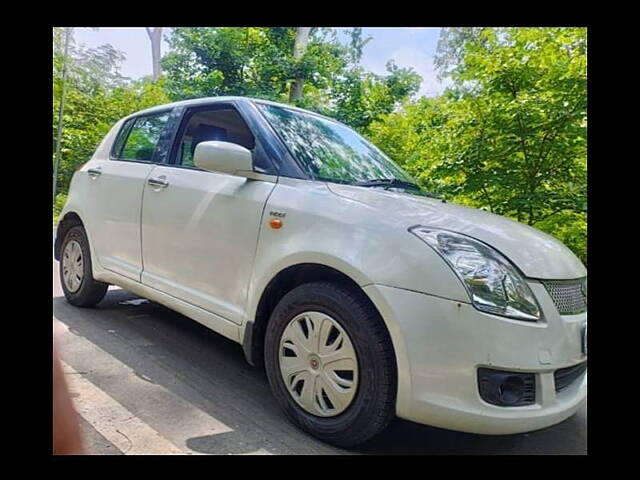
(199, 228)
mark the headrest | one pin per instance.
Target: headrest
(206, 133)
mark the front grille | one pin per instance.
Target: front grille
(569, 296)
(566, 376)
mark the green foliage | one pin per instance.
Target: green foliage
(362, 97)
(61, 199)
(452, 47)
(258, 62)
(412, 137)
(570, 228)
(96, 97)
(246, 61)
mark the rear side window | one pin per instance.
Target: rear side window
(139, 137)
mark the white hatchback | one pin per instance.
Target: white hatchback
(363, 296)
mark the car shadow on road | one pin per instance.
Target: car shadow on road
(215, 367)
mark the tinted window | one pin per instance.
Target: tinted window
(122, 136)
(141, 137)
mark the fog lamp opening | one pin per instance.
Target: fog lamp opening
(506, 389)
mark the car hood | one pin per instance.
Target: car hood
(535, 253)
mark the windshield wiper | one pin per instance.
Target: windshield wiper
(396, 183)
(388, 183)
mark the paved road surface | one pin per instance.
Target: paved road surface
(148, 380)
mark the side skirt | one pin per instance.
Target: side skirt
(210, 320)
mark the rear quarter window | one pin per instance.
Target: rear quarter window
(138, 137)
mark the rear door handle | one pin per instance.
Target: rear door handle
(94, 172)
(158, 182)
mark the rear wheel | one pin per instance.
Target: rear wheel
(330, 363)
(76, 276)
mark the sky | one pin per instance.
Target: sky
(408, 46)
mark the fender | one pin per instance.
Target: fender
(259, 284)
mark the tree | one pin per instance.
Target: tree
(522, 121)
(299, 48)
(96, 97)
(452, 47)
(227, 61)
(67, 38)
(259, 62)
(361, 97)
(155, 36)
(412, 137)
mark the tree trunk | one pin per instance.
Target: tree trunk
(299, 47)
(67, 37)
(155, 36)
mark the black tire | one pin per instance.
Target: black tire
(373, 406)
(90, 292)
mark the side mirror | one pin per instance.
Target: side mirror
(223, 157)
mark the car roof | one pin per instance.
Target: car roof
(210, 100)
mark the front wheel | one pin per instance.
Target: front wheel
(330, 363)
(76, 276)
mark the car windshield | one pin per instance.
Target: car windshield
(331, 151)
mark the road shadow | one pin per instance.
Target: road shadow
(194, 363)
(215, 368)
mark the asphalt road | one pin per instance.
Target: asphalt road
(148, 380)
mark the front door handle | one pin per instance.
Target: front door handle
(158, 182)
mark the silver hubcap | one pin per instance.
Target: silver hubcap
(72, 266)
(318, 364)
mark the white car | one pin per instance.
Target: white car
(363, 296)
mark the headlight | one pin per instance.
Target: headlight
(494, 284)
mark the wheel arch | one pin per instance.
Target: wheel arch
(278, 286)
(69, 220)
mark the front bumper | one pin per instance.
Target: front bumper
(441, 343)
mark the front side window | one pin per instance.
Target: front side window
(223, 124)
(329, 150)
(142, 136)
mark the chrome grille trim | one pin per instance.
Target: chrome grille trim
(569, 296)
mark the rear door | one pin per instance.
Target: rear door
(199, 228)
(115, 192)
